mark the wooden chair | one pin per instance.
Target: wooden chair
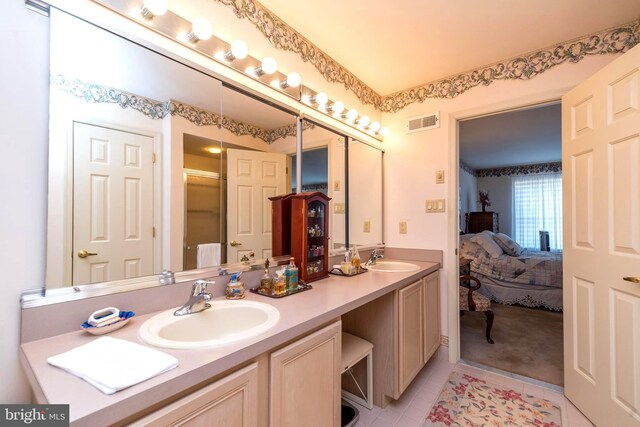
(475, 301)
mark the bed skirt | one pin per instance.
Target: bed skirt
(514, 293)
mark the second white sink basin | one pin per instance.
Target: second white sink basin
(224, 323)
(393, 267)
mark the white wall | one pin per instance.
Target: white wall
(412, 160)
(501, 198)
(468, 195)
(24, 77)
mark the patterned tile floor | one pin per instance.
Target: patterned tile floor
(416, 402)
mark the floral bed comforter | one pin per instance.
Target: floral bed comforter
(530, 268)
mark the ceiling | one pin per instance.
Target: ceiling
(392, 46)
(522, 137)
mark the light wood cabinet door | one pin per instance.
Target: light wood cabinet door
(431, 314)
(231, 402)
(305, 381)
(410, 333)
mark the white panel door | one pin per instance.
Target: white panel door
(252, 177)
(112, 204)
(601, 186)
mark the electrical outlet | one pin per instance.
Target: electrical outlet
(338, 208)
(440, 177)
(366, 226)
(403, 227)
(336, 185)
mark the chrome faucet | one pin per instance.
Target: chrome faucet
(198, 299)
(375, 256)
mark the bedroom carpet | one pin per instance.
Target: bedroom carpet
(528, 341)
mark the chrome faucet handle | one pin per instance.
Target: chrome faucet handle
(199, 287)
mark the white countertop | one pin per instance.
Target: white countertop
(300, 313)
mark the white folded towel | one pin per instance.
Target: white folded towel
(208, 255)
(112, 364)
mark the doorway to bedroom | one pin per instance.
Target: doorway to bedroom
(510, 244)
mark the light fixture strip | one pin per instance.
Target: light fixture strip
(181, 30)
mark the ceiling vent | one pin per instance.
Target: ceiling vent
(417, 124)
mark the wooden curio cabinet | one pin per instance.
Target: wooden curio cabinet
(281, 224)
(309, 235)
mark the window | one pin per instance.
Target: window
(537, 206)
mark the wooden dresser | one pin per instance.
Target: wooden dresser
(480, 221)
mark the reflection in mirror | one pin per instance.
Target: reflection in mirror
(365, 194)
(323, 165)
(257, 148)
(120, 115)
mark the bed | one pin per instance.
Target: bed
(532, 279)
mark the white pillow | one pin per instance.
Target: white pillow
(507, 244)
(488, 244)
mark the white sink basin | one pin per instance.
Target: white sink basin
(224, 323)
(393, 267)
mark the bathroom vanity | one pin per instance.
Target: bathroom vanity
(296, 363)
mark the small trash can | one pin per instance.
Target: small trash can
(350, 414)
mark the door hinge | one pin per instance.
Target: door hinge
(153, 231)
(153, 157)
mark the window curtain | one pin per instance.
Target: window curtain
(537, 206)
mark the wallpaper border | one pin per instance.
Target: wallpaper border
(552, 167)
(611, 41)
(99, 94)
(524, 67)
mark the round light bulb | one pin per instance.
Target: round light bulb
(269, 65)
(337, 107)
(322, 98)
(384, 131)
(202, 29)
(215, 150)
(364, 120)
(352, 114)
(239, 49)
(157, 7)
(375, 126)
(294, 79)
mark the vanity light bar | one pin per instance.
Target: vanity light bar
(199, 35)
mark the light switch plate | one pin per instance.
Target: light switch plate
(338, 208)
(403, 227)
(440, 177)
(366, 226)
(336, 185)
(433, 206)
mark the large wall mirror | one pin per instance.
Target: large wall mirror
(365, 194)
(156, 165)
(323, 166)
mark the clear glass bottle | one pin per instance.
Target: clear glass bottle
(266, 283)
(292, 275)
(280, 284)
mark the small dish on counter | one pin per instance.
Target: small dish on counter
(125, 316)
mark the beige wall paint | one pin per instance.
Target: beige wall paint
(412, 160)
(23, 177)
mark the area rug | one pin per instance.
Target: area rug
(469, 401)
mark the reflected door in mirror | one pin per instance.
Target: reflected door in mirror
(252, 177)
(113, 204)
